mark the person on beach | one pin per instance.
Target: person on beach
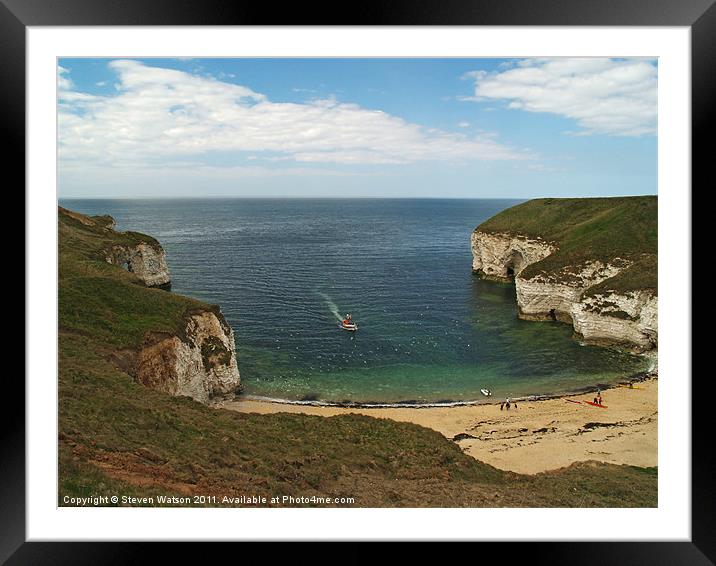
(507, 403)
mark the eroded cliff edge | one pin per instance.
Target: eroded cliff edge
(199, 362)
(108, 291)
(147, 260)
(591, 263)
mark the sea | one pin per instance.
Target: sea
(286, 271)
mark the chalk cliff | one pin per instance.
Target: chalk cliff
(199, 363)
(147, 260)
(630, 319)
(165, 341)
(503, 256)
(602, 298)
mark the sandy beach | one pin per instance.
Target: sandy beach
(534, 436)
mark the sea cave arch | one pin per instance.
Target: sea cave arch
(515, 263)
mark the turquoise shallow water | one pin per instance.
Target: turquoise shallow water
(282, 270)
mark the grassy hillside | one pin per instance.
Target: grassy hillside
(103, 301)
(118, 437)
(588, 229)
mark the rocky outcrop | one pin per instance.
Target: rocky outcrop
(190, 351)
(199, 363)
(606, 318)
(553, 295)
(503, 256)
(147, 260)
(137, 253)
(630, 319)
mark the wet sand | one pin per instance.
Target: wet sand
(534, 436)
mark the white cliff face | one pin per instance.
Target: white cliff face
(628, 320)
(553, 296)
(146, 261)
(201, 364)
(504, 256)
(613, 318)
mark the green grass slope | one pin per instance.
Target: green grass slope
(118, 437)
(104, 301)
(587, 229)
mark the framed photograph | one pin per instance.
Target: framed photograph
(390, 279)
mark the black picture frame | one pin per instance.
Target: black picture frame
(699, 15)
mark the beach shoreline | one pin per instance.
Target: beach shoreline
(537, 434)
(413, 404)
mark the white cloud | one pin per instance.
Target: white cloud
(162, 115)
(63, 81)
(197, 171)
(604, 96)
(463, 124)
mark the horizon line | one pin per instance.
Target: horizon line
(294, 197)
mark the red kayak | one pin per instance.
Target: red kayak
(596, 404)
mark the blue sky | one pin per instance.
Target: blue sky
(473, 128)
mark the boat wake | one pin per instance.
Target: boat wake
(331, 306)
